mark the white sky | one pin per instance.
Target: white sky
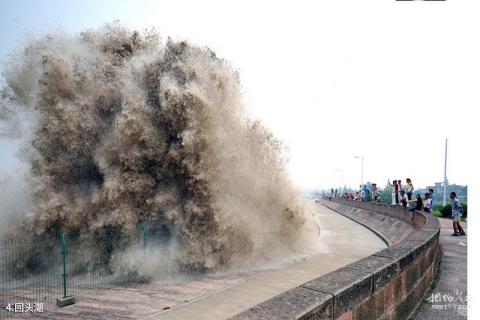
(332, 79)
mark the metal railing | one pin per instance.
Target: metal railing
(36, 271)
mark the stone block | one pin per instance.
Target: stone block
(417, 246)
(412, 275)
(348, 286)
(426, 236)
(297, 303)
(404, 256)
(65, 301)
(367, 309)
(384, 269)
(432, 223)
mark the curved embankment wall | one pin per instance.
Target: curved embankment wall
(386, 285)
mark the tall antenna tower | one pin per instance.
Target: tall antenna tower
(445, 181)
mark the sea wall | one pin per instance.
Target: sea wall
(386, 285)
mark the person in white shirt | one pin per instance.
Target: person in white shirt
(426, 203)
(409, 188)
(394, 192)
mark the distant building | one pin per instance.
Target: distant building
(438, 187)
(461, 191)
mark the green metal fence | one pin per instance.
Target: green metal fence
(36, 271)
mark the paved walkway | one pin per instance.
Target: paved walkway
(345, 241)
(450, 293)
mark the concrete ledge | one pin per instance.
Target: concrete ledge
(297, 303)
(392, 228)
(348, 286)
(65, 301)
(356, 219)
(383, 269)
(386, 285)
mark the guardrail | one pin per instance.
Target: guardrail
(386, 285)
(43, 270)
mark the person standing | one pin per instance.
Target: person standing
(426, 203)
(403, 198)
(457, 212)
(368, 192)
(394, 192)
(409, 189)
(375, 192)
(400, 188)
(432, 197)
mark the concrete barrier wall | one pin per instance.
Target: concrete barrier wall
(391, 230)
(386, 285)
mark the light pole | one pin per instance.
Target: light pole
(445, 176)
(361, 158)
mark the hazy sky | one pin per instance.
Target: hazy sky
(386, 79)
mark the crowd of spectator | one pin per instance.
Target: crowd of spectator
(367, 192)
(402, 195)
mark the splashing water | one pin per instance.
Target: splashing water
(129, 129)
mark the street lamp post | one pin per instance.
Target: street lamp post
(361, 158)
(445, 176)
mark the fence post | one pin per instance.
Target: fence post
(65, 300)
(64, 257)
(144, 231)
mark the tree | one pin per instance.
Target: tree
(386, 195)
(446, 211)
